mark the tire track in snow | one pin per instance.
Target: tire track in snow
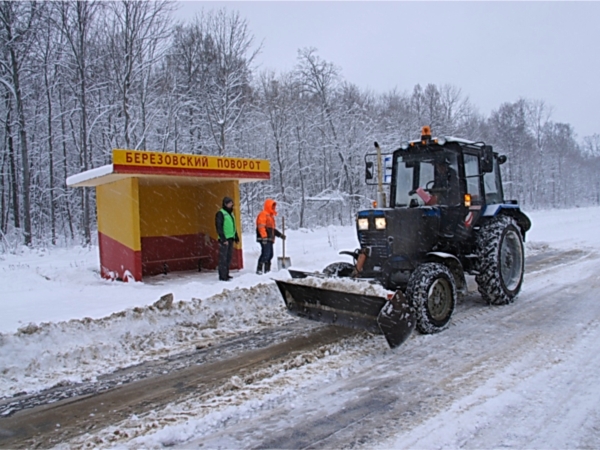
(38, 427)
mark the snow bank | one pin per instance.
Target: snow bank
(40, 356)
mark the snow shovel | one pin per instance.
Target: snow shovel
(283, 262)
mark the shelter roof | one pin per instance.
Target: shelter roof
(173, 167)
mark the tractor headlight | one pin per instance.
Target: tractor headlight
(380, 223)
(363, 224)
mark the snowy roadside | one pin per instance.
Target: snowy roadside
(41, 356)
(57, 285)
(87, 326)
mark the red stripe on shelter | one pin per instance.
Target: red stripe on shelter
(117, 261)
(163, 254)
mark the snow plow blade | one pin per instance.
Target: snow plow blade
(394, 318)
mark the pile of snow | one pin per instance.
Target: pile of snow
(344, 285)
(54, 285)
(40, 356)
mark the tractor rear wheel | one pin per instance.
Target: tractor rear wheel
(339, 270)
(431, 291)
(501, 260)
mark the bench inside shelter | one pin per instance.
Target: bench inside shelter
(175, 253)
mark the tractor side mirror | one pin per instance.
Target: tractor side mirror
(369, 170)
(501, 159)
(487, 159)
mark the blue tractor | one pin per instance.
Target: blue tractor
(446, 216)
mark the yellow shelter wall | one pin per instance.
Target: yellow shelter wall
(212, 201)
(168, 209)
(117, 206)
(172, 210)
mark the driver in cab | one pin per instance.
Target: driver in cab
(445, 189)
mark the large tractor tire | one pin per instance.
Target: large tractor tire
(431, 291)
(339, 270)
(501, 260)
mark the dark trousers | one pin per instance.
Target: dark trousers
(225, 254)
(266, 255)
(266, 252)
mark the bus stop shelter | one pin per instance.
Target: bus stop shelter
(156, 211)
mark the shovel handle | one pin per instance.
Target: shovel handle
(283, 240)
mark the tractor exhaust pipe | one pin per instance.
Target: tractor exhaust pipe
(381, 203)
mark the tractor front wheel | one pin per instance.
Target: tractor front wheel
(431, 291)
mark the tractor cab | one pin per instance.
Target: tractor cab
(445, 172)
(438, 190)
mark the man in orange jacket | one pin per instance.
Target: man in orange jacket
(265, 235)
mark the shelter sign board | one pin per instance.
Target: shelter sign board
(158, 163)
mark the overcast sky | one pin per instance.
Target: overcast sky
(494, 52)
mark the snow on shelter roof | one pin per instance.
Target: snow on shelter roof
(184, 167)
(90, 177)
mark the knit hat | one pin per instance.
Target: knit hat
(227, 200)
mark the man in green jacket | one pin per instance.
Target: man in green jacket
(225, 223)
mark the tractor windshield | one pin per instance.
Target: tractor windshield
(426, 179)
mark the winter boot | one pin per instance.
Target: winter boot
(267, 267)
(260, 269)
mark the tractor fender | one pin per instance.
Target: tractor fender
(455, 267)
(511, 210)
